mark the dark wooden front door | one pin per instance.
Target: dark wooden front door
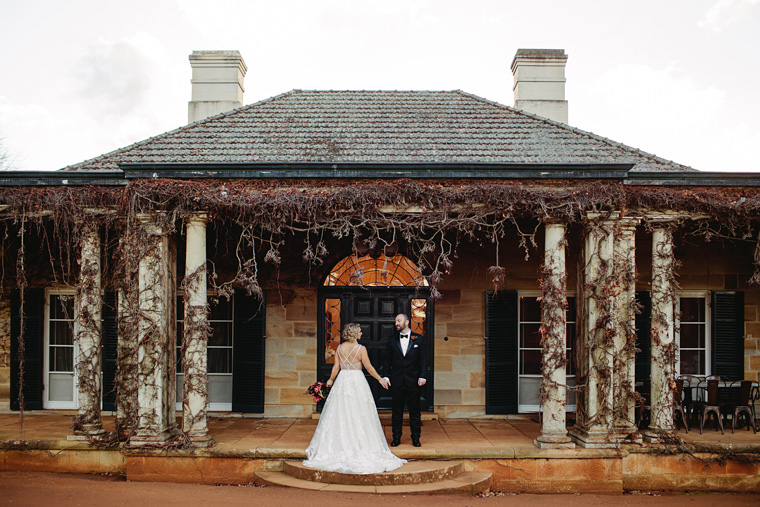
(375, 309)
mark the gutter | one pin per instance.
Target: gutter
(621, 173)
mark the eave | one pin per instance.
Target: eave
(321, 170)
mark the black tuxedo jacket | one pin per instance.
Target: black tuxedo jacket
(404, 370)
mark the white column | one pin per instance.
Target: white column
(156, 389)
(554, 337)
(624, 311)
(605, 412)
(594, 407)
(126, 349)
(662, 332)
(89, 327)
(126, 353)
(194, 420)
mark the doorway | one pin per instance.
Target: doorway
(388, 286)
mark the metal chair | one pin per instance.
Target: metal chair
(712, 406)
(743, 406)
(678, 406)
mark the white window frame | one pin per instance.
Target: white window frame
(521, 407)
(46, 402)
(211, 406)
(696, 294)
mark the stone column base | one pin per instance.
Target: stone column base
(554, 442)
(591, 439)
(628, 434)
(653, 435)
(88, 432)
(201, 440)
(150, 438)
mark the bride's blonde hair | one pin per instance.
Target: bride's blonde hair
(351, 332)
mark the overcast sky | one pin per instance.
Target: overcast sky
(677, 78)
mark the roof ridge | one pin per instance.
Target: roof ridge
(606, 140)
(375, 91)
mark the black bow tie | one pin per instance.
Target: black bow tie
(404, 336)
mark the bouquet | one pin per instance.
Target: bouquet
(318, 391)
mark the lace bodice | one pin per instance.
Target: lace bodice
(351, 361)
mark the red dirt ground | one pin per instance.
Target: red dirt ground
(36, 488)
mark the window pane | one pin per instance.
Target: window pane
(332, 329)
(220, 360)
(179, 360)
(692, 336)
(220, 388)
(61, 333)
(570, 337)
(692, 310)
(530, 309)
(62, 307)
(692, 362)
(419, 317)
(180, 308)
(529, 388)
(61, 387)
(221, 335)
(530, 362)
(62, 359)
(180, 332)
(220, 308)
(530, 336)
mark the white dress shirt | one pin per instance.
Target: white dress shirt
(404, 343)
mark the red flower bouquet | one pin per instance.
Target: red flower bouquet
(318, 391)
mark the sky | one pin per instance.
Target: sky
(676, 78)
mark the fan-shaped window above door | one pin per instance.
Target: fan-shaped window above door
(382, 271)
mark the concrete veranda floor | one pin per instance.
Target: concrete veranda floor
(510, 436)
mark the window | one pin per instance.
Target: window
(383, 271)
(60, 357)
(530, 351)
(219, 352)
(692, 330)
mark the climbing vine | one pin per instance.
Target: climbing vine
(427, 220)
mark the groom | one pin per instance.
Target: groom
(405, 365)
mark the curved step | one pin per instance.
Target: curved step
(468, 482)
(414, 472)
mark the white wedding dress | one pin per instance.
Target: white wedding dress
(349, 437)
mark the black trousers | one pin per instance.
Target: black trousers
(409, 396)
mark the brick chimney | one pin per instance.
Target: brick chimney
(217, 83)
(540, 82)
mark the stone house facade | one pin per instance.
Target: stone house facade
(211, 268)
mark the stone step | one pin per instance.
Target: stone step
(467, 482)
(414, 472)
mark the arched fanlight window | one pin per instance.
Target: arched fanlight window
(383, 271)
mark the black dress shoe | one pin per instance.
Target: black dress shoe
(395, 442)
(416, 442)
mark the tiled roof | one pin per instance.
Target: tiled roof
(379, 127)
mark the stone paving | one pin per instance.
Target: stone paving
(457, 438)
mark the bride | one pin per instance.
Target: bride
(349, 437)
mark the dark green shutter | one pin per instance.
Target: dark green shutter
(728, 335)
(109, 347)
(502, 366)
(643, 337)
(34, 327)
(248, 354)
